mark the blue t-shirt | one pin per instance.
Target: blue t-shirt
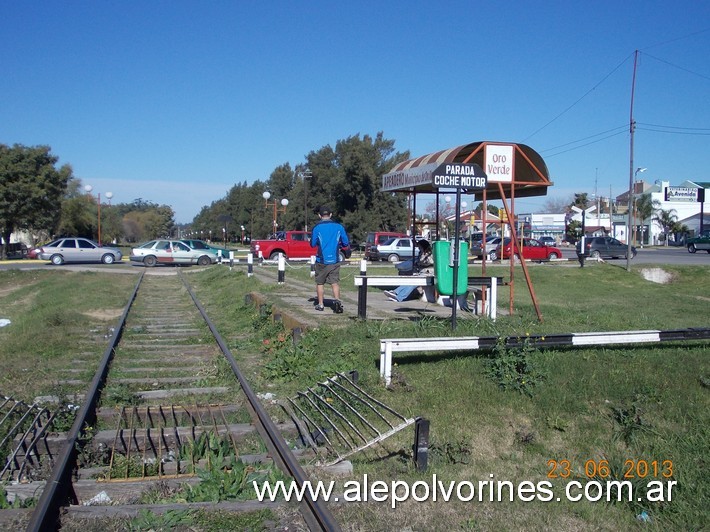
(328, 236)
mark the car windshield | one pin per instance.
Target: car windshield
(388, 242)
(148, 244)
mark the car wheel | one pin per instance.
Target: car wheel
(204, 260)
(553, 256)
(393, 258)
(150, 261)
(692, 248)
(595, 254)
(341, 257)
(493, 255)
(107, 259)
(57, 260)
(275, 255)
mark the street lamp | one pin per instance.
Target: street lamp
(284, 202)
(109, 195)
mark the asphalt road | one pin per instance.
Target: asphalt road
(648, 255)
(655, 255)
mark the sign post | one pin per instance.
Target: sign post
(464, 178)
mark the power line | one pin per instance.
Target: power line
(615, 130)
(673, 132)
(588, 143)
(674, 127)
(678, 67)
(580, 99)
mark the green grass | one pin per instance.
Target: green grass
(647, 402)
(616, 404)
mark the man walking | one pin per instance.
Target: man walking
(329, 237)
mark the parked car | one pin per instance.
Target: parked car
(75, 249)
(532, 250)
(16, 250)
(604, 246)
(477, 247)
(376, 238)
(548, 240)
(204, 246)
(394, 250)
(170, 252)
(702, 241)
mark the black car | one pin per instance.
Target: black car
(604, 246)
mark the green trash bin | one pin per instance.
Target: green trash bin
(444, 269)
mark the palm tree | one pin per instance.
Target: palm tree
(645, 208)
(666, 219)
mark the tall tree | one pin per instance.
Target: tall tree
(644, 207)
(31, 189)
(667, 220)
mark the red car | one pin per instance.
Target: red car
(532, 250)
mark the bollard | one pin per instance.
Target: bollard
(231, 260)
(362, 292)
(421, 443)
(313, 265)
(250, 264)
(219, 256)
(282, 268)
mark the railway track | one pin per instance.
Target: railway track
(158, 410)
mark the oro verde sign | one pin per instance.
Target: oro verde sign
(464, 176)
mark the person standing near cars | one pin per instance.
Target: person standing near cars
(328, 237)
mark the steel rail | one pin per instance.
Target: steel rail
(317, 516)
(56, 490)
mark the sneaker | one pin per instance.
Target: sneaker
(337, 307)
(393, 299)
(390, 294)
(320, 307)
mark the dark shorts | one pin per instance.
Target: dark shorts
(327, 273)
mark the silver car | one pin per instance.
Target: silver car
(395, 250)
(75, 249)
(170, 252)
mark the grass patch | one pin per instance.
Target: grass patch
(617, 403)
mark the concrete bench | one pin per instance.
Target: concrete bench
(363, 281)
(477, 286)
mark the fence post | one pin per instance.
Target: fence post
(362, 291)
(421, 443)
(282, 268)
(313, 265)
(250, 264)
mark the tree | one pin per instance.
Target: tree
(667, 220)
(644, 210)
(31, 189)
(556, 205)
(581, 200)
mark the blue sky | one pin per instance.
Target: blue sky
(174, 101)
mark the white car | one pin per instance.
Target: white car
(170, 252)
(395, 250)
(77, 249)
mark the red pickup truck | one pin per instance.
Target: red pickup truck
(293, 244)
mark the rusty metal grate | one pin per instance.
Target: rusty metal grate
(23, 428)
(161, 441)
(339, 415)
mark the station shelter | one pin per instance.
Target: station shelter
(485, 169)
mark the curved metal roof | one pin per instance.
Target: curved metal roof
(530, 174)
